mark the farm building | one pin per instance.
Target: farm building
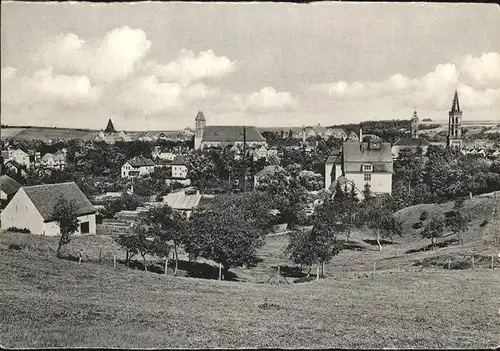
(183, 202)
(32, 208)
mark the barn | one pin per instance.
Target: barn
(32, 208)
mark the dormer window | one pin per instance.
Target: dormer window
(367, 167)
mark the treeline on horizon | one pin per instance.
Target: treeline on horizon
(6, 126)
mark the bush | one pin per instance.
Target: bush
(305, 279)
(483, 223)
(418, 225)
(460, 263)
(424, 215)
(18, 230)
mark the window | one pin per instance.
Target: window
(367, 177)
(367, 168)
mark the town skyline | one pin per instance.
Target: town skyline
(141, 66)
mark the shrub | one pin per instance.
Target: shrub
(483, 223)
(424, 215)
(16, 247)
(418, 225)
(305, 279)
(19, 230)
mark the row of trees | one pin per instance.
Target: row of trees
(230, 232)
(442, 175)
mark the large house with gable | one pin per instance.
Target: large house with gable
(32, 208)
(137, 166)
(362, 163)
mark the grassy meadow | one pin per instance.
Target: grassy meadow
(410, 301)
(53, 303)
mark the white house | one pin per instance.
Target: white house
(32, 208)
(361, 163)
(368, 163)
(137, 166)
(28, 158)
(179, 168)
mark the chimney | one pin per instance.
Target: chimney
(360, 134)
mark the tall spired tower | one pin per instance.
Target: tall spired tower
(454, 139)
(414, 126)
(200, 122)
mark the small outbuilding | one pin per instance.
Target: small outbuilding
(32, 208)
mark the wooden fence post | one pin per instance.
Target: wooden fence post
(374, 269)
(220, 271)
(114, 261)
(100, 252)
(166, 265)
(279, 273)
(492, 262)
(449, 263)
(317, 272)
(473, 262)
(80, 259)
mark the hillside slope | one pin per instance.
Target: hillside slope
(53, 303)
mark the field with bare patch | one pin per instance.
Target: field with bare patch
(48, 302)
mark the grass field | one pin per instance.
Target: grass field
(52, 303)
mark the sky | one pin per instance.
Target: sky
(152, 66)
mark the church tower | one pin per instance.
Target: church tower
(200, 122)
(414, 126)
(455, 124)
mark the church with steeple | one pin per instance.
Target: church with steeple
(110, 135)
(454, 138)
(412, 143)
(222, 136)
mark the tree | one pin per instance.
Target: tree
(166, 225)
(458, 223)
(320, 244)
(228, 233)
(139, 242)
(433, 230)
(367, 193)
(378, 216)
(64, 213)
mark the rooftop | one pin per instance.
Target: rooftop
(231, 134)
(411, 142)
(8, 185)
(180, 201)
(361, 152)
(45, 197)
(140, 161)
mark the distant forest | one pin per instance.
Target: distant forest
(28, 127)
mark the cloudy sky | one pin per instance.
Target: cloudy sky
(154, 65)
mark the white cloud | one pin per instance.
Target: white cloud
(44, 86)
(111, 58)
(188, 67)
(8, 73)
(433, 90)
(483, 70)
(263, 101)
